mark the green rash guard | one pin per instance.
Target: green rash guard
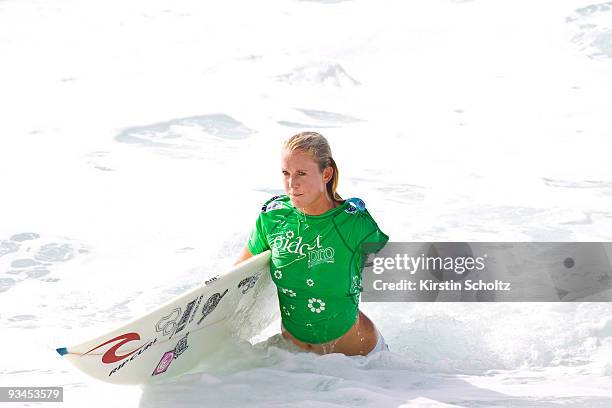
(316, 264)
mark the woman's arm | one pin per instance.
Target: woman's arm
(244, 255)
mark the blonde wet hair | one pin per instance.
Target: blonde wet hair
(318, 147)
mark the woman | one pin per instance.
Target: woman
(316, 241)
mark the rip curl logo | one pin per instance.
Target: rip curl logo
(111, 356)
(288, 243)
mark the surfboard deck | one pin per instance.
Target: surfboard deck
(175, 337)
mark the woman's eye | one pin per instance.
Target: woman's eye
(301, 173)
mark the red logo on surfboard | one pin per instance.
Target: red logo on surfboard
(111, 356)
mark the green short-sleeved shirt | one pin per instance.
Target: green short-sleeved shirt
(316, 264)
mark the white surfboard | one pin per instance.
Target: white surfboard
(175, 337)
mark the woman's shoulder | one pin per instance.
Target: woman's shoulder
(356, 213)
(357, 225)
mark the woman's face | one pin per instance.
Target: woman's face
(303, 181)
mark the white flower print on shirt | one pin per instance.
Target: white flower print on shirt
(288, 292)
(316, 305)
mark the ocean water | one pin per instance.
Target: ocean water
(139, 139)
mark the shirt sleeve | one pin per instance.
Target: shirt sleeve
(257, 242)
(374, 239)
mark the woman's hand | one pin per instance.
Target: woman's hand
(244, 255)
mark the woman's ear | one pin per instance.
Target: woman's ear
(328, 173)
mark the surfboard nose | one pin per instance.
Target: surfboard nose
(62, 351)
